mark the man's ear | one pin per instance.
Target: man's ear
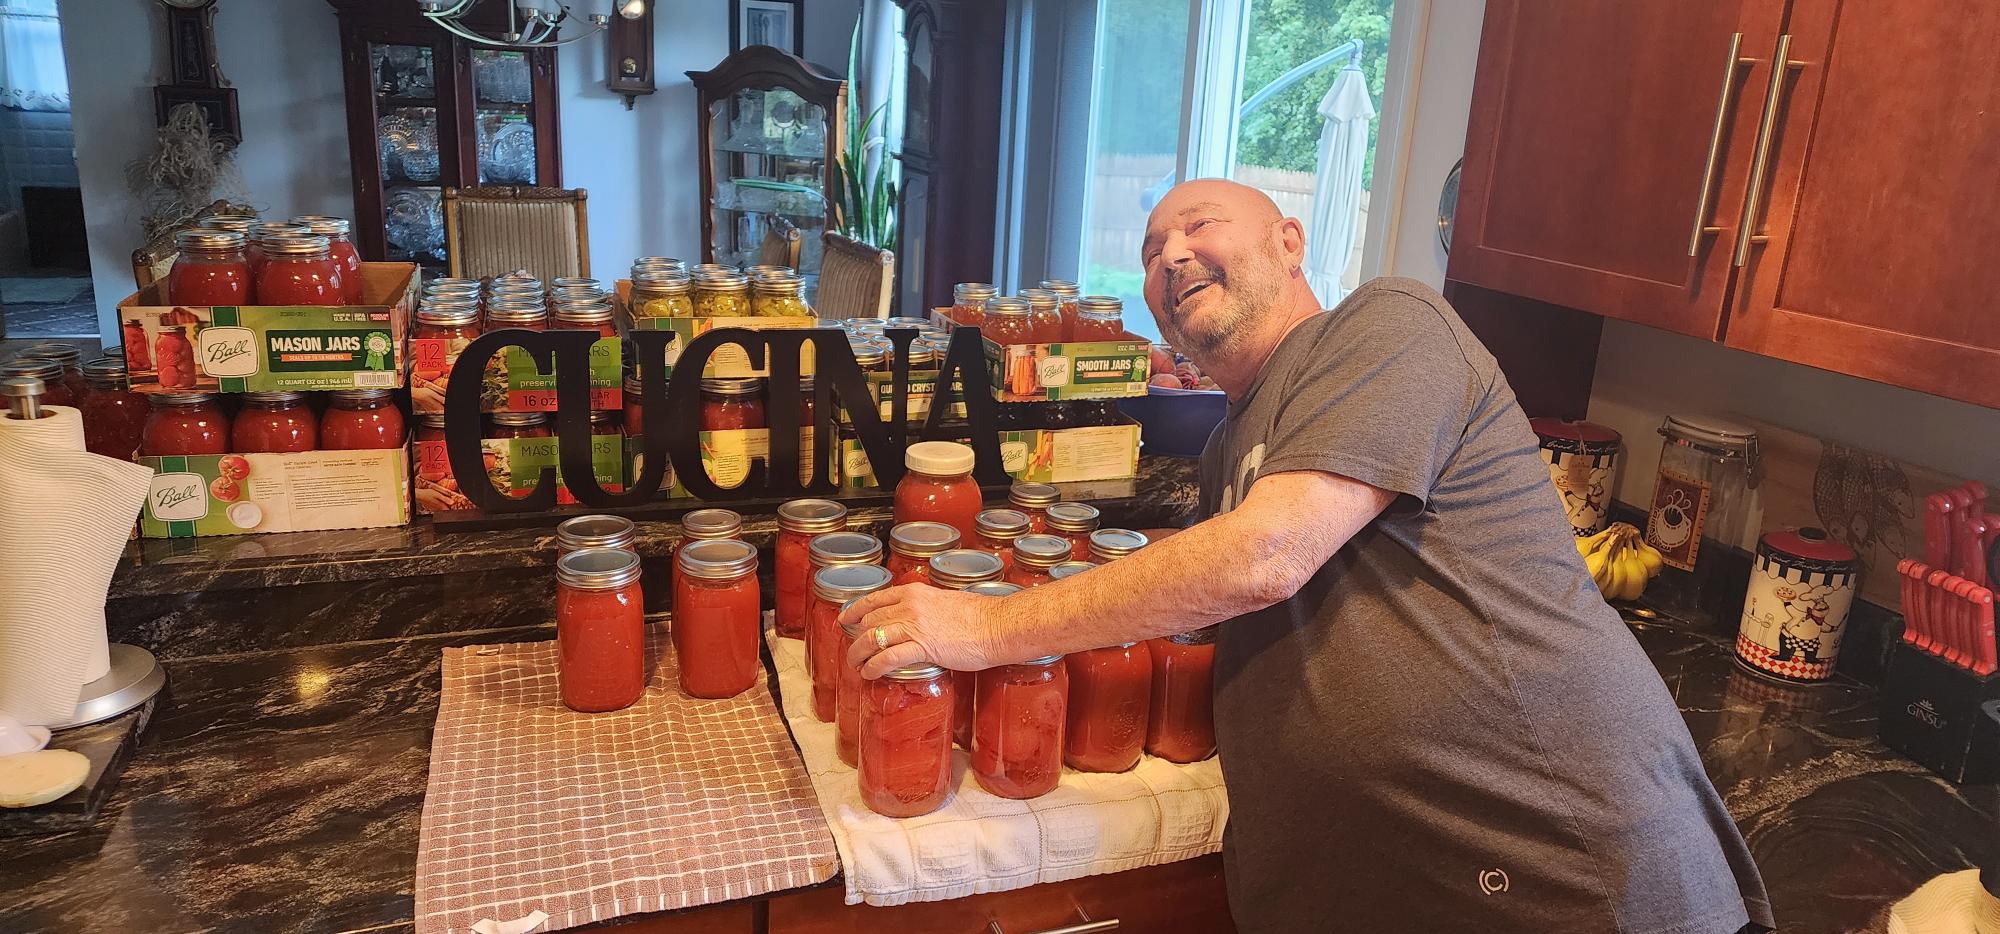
(1292, 242)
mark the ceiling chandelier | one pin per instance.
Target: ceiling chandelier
(530, 23)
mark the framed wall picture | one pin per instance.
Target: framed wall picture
(767, 22)
(218, 104)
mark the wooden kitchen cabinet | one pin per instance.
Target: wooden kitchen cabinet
(1882, 210)
(1601, 136)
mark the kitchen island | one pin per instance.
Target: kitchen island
(280, 783)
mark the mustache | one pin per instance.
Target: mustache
(1194, 271)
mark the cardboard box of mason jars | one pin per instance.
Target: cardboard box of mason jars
(728, 360)
(238, 494)
(266, 348)
(1064, 370)
(514, 465)
(1043, 455)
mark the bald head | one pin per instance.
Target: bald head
(1223, 270)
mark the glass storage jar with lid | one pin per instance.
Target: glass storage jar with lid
(776, 294)
(968, 302)
(660, 292)
(1703, 505)
(721, 294)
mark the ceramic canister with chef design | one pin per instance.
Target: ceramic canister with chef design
(1795, 609)
(1582, 458)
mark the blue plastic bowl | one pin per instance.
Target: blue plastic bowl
(1176, 422)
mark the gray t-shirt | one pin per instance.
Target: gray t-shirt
(1447, 729)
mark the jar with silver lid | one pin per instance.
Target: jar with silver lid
(595, 532)
(1107, 545)
(960, 568)
(1070, 569)
(1703, 504)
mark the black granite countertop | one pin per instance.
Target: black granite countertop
(280, 784)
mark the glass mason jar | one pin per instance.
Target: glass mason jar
(658, 263)
(210, 269)
(960, 569)
(66, 356)
(1035, 557)
(1098, 318)
(721, 294)
(799, 521)
(1110, 691)
(661, 293)
(436, 488)
(298, 271)
(183, 424)
(1067, 293)
(54, 390)
(1074, 521)
(905, 750)
(1702, 503)
(1045, 319)
(1108, 545)
(707, 525)
(913, 544)
(635, 407)
(1069, 569)
(361, 419)
(595, 316)
(937, 486)
(113, 415)
(968, 302)
(777, 295)
(1017, 734)
(274, 423)
(253, 248)
(1008, 321)
(997, 530)
(506, 426)
(872, 355)
(341, 246)
(847, 698)
(1181, 727)
(596, 532)
(1033, 500)
(826, 647)
(717, 613)
(732, 403)
(600, 629)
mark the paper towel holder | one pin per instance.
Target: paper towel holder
(134, 676)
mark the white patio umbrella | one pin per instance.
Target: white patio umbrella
(1343, 151)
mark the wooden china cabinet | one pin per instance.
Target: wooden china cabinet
(1645, 160)
(426, 111)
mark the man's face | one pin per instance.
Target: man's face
(1213, 264)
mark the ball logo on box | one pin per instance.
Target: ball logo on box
(178, 497)
(228, 351)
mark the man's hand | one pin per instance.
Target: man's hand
(921, 623)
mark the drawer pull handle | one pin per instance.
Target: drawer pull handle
(1761, 162)
(1701, 227)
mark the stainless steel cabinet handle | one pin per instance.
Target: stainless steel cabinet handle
(1701, 226)
(1088, 927)
(1761, 162)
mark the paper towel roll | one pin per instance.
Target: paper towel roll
(65, 515)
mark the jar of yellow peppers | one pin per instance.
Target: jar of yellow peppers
(776, 295)
(661, 293)
(720, 294)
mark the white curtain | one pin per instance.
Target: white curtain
(1343, 150)
(31, 57)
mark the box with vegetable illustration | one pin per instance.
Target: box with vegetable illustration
(1043, 455)
(1062, 370)
(728, 360)
(267, 348)
(236, 494)
(514, 465)
(728, 454)
(922, 386)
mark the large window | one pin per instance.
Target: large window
(1278, 94)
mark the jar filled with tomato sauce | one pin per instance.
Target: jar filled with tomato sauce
(1108, 545)
(506, 426)
(211, 269)
(1110, 691)
(937, 486)
(960, 569)
(1008, 321)
(717, 614)
(114, 416)
(1045, 320)
(362, 420)
(1035, 556)
(1069, 569)
(532, 316)
(905, 749)
(1182, 725)
(833, 549)
(1099, 318)
(1033, 500)
(54, 390)
(600, 630)
(913, 544)
(1067, 293)
(253, 246)
(635, 407)
(274, 423)
(445, 327)
(998, 530)
(340, 246)
(732, 403)
(968, 302)
(587, 316)
(183, 424)
(708, 525)
(1074, 521)
(833, 589)
(1017, 733)
(298, 271)
(67, 356)
(799, 521)
(596, 532)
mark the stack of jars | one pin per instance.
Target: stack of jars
(231, 259)
(112, 414)
(1055, 312)
(192, 423)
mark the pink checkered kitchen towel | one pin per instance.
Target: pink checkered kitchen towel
(670, 803)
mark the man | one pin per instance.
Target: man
(1429, 720)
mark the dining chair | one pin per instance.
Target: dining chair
(498, 229)
(781, 243)
(855, 280)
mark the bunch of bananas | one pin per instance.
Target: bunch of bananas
(1620, 561)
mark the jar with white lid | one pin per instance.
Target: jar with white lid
(1703, 504)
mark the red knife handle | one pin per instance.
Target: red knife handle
(1920, 608)
(1944, 635)
(1986, 658)
(1903, 574)
(1937, 530)
(1973, 548)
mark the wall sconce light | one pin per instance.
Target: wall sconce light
(631, 50)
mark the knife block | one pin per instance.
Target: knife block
(1931, 713)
